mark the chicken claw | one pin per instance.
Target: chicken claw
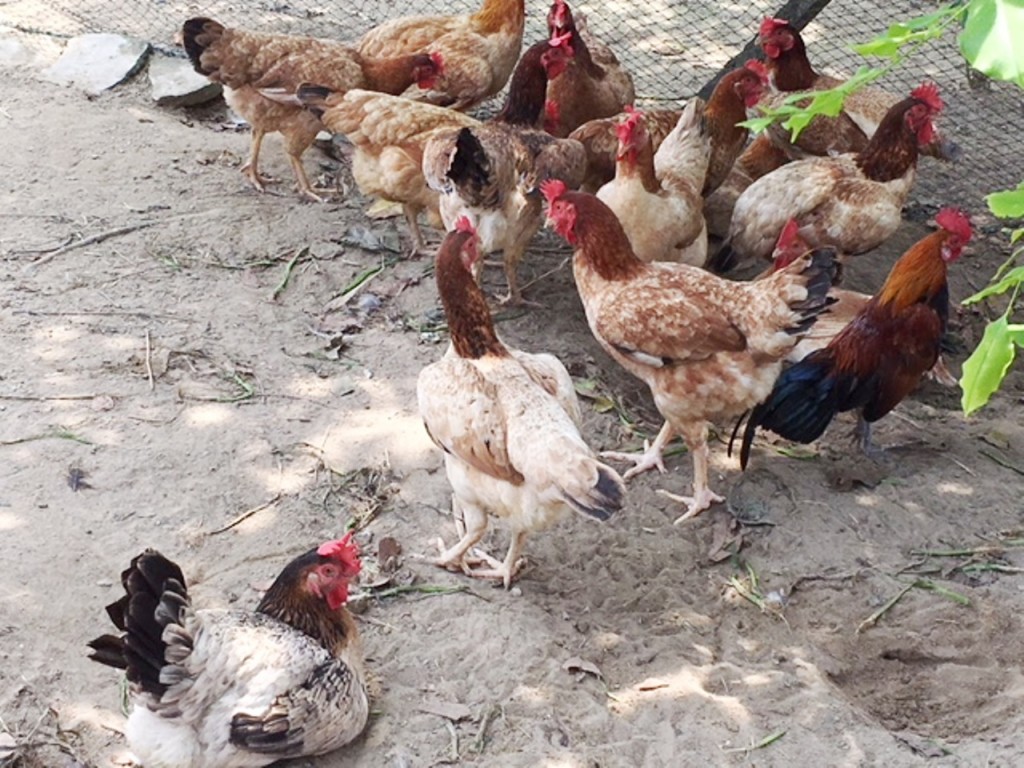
(651, 458)
(694, 504)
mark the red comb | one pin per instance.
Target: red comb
(954, 221)
(929, 94)
(438, 60)
(463, 224)
(769, 25)
(341, 549)
(759, 69)
(788, 234)
(552, 189)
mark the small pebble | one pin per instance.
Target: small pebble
(104, 583)
(516, 592)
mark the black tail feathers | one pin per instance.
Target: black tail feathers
(196, 37)
(821, 273)
(605, 498)
(313, 97)
(155, 595)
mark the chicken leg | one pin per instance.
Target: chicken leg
(251, 169)
(703, 497)
(651, 458)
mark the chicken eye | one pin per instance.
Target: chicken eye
(329, 571)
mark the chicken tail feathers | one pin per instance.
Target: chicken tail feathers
(805, 399)
(155, 596)
(313, 97)
(605, 497)
(820, 273)
(725, 259)
(198, 34)
(470, 170)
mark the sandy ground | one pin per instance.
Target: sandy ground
(162, 382)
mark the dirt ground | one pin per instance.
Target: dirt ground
(232, 381)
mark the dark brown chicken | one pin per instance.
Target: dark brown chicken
(880, 357)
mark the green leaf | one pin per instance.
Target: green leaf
(1010, 279)
(1008, 204)
(985, 369)
(993, 38)
(757, 124)
(1016, 235)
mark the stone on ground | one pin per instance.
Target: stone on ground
(97, 62)
(176, 84)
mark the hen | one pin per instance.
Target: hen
(880, 357)
(248, 63)
(490, 173)
(236, 688)
(508, 423)
(852, 202)
(708, 348)
(479, 49)
(661, 212)
(593, 85)
(390, 135)
(759, 158)
(736, 92)
(863, 109)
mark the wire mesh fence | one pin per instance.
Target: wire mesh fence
(672, 48)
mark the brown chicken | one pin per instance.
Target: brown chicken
(594, 83)
(736, 92)
(490, 173)
(661, 212)
(479, 49)
(852, 202)
(863, 110)
(237, 688)
(248, 63)
(508, 423)
(880, 357)
(708, 348)
(846, 305)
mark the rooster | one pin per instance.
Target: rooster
(880, 357)
(235, 688)
(863, 109)
(261, 73)
(508, 423)
(661, 212)
(594, 83)
(738, 91)
(480, 49)
(708, 348)
(852, 202)
(490, 173)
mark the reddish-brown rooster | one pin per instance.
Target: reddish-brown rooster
(880, 357)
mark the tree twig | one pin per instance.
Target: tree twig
(99, 237)
(246, 515)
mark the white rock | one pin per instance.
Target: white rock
(98, 62)
(176, 84)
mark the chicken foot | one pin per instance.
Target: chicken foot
(651, 458)
(306, 189)
(471, 525)
(703, 497)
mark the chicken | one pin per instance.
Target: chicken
(508, 423)
(661, 212)
(759, 158)
(593, 85)
(490, 173)
(708, 348)
(880, 357)
(479, 49)
(852, 202)
(846, 305)
(736, 92)
(863, 110)
(390, 135)
(237, 688)
(251, 65)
